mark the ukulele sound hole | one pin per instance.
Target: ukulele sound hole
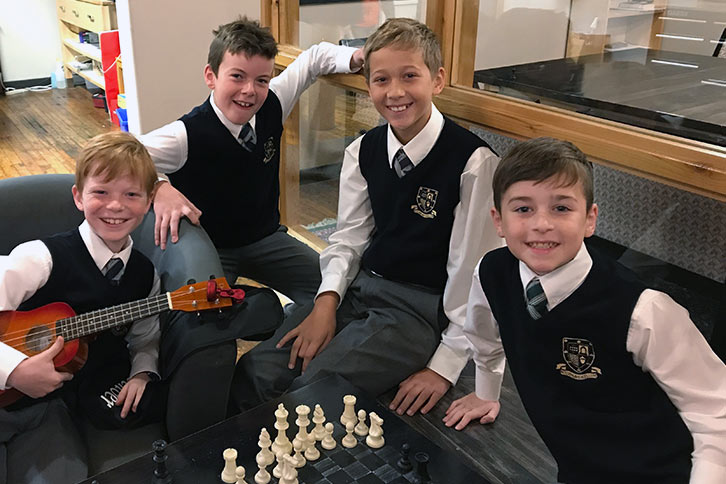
(38, 339)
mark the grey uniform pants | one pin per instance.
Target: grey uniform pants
(385, 332)
(279, 261)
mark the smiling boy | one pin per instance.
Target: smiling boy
(223, 157)
(397, 269)
(89, 268)
(619, 383)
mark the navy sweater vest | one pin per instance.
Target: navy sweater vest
(414, 215)
(236, 190)
(603, 419)
(76, 280)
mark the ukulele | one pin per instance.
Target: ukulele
(31, 332)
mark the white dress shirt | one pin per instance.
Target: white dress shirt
(663, 341)
(27, 268)
(169, 146)
(472, 235)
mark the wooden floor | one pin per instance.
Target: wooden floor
(42, 132)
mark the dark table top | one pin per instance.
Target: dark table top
(671, 92)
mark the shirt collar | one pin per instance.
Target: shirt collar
(232, 127)
(559, 284)
(100, 253)
(421, 144)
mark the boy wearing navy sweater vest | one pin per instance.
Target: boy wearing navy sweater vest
(223, 157)
(409, 232)
(619, 383)
(89, 268)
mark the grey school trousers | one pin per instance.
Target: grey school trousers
(279, 261)
(40, 444)
(385, 332)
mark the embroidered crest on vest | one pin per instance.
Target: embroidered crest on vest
(269, 149)
(425, 202)
(579, 355)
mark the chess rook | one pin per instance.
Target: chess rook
(230, 466)
(348, 410)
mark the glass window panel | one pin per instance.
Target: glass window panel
(657, 64)
(333, 20)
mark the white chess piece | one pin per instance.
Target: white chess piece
(262, 476)
(230, 464)
(328, 442)
(302, 422)
(264, 443)
(349, 441)
(349, 410)
(312, 453)
(375, 438)
(239, 474)
(289, 472)
(318, 420)
(277, 470)
(281, 443)
(361, 428)
(298, 457)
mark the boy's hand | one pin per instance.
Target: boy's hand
(424, 386)
(36, 376)
(469, 408)
(170, 205)
(357, 60)
(314, 333)
(131, 393)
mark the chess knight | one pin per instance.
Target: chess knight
(579, 355)
(425, 202)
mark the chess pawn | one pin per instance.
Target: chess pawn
(318, 420)
(298, 458)
(349, 410)
(281, 443)
(361, 428)
(349, 441)
(289, 472)
(230, 465)
(262, 476)
(375, 438)
(328, 442)
(264, 444)
(239, 473)
(302, 422)
(277, 470)
(312, 453)
(404, 463)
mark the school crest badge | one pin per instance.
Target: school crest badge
(425, 202)
(269, 150)
(579, 356)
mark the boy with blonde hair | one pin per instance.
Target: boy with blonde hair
(619, 383)
(89, 268)
(396, 271)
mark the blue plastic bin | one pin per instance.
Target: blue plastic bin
(123, 119)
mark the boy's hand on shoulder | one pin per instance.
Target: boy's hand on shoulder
(36, 376)
(170, 205)
(357, 60)
(314, 333)
(131, 393)
(471, 407)
(423, 387)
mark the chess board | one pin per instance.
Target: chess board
(197, 459)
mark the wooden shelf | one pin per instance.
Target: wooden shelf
(91, 75)
(89, 50)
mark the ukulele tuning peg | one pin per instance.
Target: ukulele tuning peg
(212, 276)
(192, 281)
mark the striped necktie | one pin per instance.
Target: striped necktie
(247, 137)
(112, 270)
(401, 163)
(536, 299)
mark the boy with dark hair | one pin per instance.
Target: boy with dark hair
(223, 157)
(89, 268)
(620, 384)
(396, 272)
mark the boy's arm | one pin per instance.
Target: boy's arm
(168, 147)
(318, 60)
(473, 234)
(666, 343)
(339, 262)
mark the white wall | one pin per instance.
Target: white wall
(164, 45)
(29, 39)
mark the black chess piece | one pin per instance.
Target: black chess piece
(422, 471)
(404, 463)
(161, 473)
